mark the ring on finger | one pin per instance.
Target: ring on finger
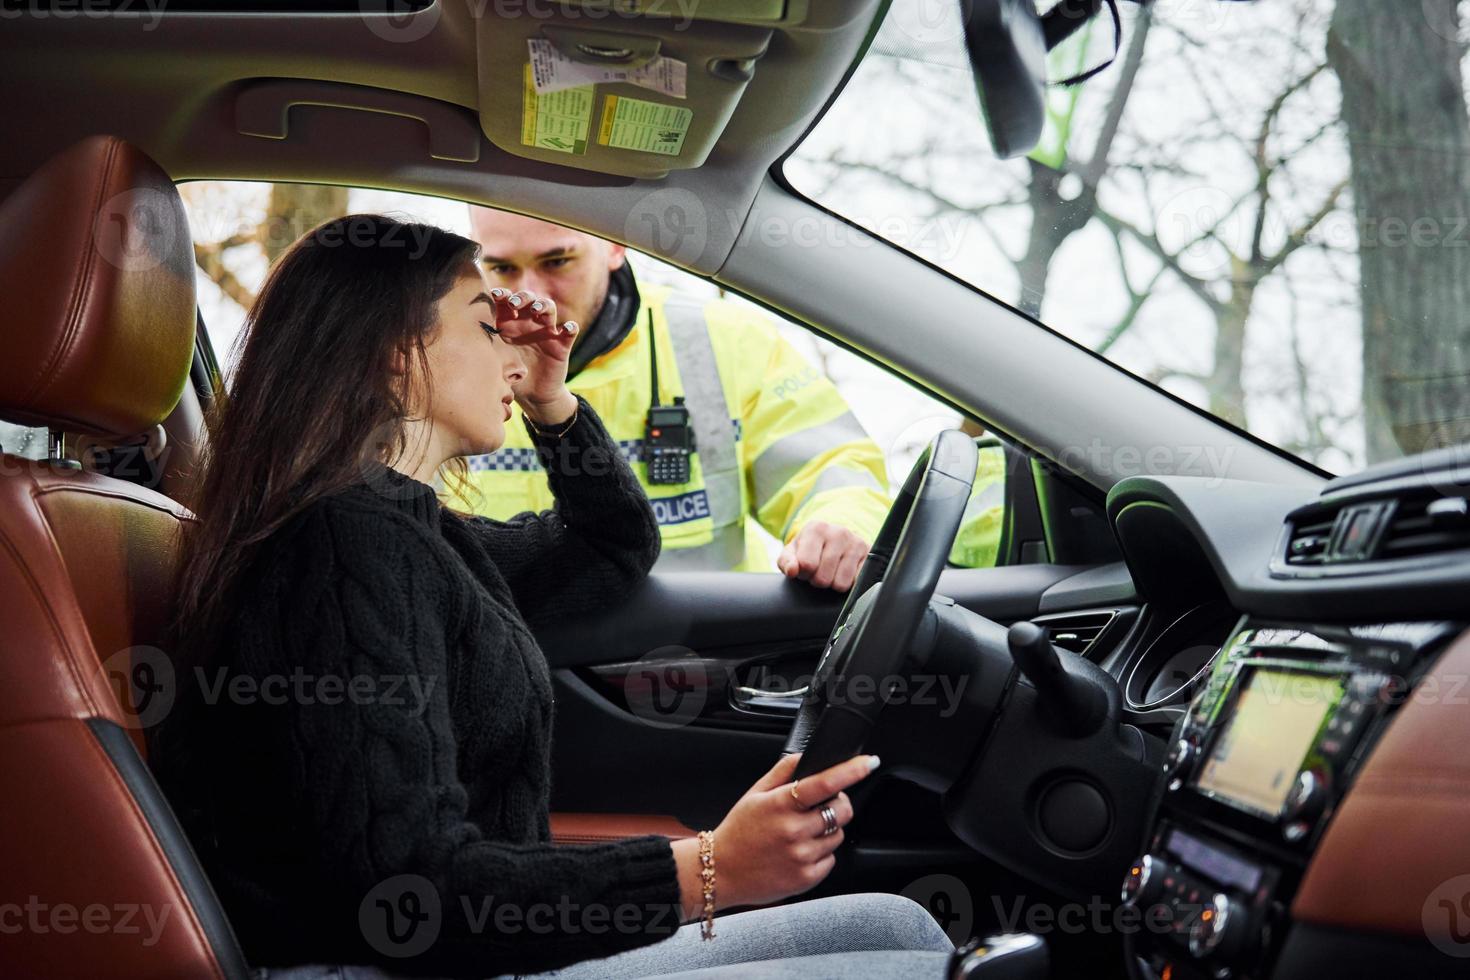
(829, 821)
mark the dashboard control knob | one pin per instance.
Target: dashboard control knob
(1143, 884)
(1220, 929)
(1305, 803)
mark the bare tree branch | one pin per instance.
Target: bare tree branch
(1150, 241)
(210, 259)
(1264, 170)
(1096, 167)
(1303, 233)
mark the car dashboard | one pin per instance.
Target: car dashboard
(1296, 651)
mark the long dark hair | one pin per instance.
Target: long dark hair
(313, 396)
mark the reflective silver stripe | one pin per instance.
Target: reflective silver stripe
(714, 436)
(833, 478)
(720, 555)
(785, 457)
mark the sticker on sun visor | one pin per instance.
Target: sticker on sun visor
(556, 121)
(633, 124)
(554, 71)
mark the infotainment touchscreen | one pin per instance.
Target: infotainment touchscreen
(1256, 759)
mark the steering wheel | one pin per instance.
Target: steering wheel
(871, 637)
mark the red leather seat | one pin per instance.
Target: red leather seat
(97, 331)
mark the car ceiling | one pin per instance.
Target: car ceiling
(175, 84)
(180, 87)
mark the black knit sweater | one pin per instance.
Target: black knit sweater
(384, 800)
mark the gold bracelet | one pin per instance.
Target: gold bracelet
(564, 429)
(707, 878)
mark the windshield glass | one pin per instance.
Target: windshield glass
(1260, 207)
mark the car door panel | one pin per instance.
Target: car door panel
(693, 763)
(710, 610)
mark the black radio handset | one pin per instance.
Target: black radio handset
(668, 438)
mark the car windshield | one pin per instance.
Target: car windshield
(1262, 208)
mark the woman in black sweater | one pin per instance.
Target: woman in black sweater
(360, 749)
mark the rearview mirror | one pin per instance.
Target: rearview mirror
(1007, 49)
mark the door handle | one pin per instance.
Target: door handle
(773, 702)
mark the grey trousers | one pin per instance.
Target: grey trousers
(845, 937)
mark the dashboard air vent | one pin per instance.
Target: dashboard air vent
(1415, 524)
(1308, 542)
(1426, 523)
(1076, 631)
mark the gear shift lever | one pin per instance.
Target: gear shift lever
(1015, 956)
(1074, 705)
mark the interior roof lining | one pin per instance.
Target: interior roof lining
(178, 109)
(176, 104)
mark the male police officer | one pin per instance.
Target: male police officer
(737, 426)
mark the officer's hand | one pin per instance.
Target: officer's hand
(529, 322)
(826, 555)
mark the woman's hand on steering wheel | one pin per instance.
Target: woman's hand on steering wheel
(772, 844)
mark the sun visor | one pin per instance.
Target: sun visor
(620, 94)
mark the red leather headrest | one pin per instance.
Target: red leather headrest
(97, 275)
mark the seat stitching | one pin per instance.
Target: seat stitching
(172, 508)
(79, 288)
(70, 657)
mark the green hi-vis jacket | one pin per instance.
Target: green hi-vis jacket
(977, 545)
(775, 444)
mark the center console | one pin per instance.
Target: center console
(1267, 749)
